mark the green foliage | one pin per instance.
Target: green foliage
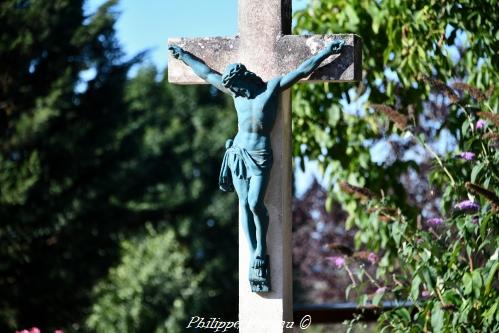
(86, 163)
(402, 40)
(150, 290)
(49, 163)
(454, 263)
(412, 52)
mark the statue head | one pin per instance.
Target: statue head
(241, 81)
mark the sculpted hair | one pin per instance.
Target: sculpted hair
(234, 71)
(231, 73)
(253, 76)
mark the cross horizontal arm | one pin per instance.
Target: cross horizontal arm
(292, 50)
(216, 52)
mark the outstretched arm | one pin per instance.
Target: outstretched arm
(198, 67)
(309, 65)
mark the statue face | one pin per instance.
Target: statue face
(239, 80)
(241, 86)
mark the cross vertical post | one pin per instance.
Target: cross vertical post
(265, 46)
(258, 33)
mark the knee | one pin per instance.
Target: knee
(256, 206)
(243, 203)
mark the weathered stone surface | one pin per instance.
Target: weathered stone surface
(270, 17)
(261, 24)
(344, 67)
(287, 53)
(216, 52)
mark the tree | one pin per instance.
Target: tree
(52, 155)
(430, 68)
(182, 131)
(151, 289)
(402, 43)
(85, 164)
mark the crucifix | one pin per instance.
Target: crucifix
(256, 68)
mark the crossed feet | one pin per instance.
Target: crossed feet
(258, 263)
(259, 266)
(259, 274)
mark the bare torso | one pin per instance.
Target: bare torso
(256, 117)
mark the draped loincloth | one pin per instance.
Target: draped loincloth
(243, 163)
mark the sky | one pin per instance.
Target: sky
(147, 24)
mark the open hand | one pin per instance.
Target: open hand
(335, 46)
(176, 51)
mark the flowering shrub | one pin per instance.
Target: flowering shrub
(409, 218)
(36, 330)
(445, 262)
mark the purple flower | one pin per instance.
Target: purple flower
(337, 261)
(467, 155)
(425, 293)
(467, 206)
(435, 221)
(372, 258)
(380, 290)
(475, 220)
(480, 124)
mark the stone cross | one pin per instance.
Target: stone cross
(265, 45)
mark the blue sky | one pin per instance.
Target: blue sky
(147, 24)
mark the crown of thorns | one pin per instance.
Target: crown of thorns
(231, 73)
